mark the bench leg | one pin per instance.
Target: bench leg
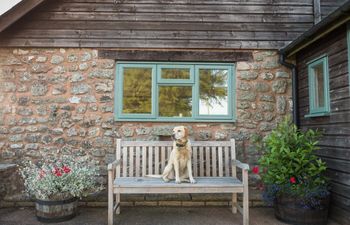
(117, 199)
(245, 198)
(110, 205)
(234, 202)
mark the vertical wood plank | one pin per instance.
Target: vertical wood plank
(144, 160)
(131, 161)
(125, 161)
(233, 156)
(317, 11)
(214, 161)
(137, 162)
(150, 160)
(195, 161)
(162, 157)
(227, 162)
(156, 160)
(220, 160)
(201, 161)
(207, 161)
(118, 155)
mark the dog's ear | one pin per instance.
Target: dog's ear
(186, 132)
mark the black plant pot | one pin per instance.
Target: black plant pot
(289, 210)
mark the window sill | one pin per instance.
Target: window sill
(317, 114)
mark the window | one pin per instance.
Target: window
(174, 92)
(318, 87)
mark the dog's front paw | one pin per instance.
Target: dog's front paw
(166, 180)
(193, 181)
(178, 181)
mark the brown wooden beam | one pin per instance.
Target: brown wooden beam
(17, 12)
(180, 56)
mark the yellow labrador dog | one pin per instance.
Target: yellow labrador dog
(179, 167)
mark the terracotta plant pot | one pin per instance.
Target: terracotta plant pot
(53, 211)
(290, 210)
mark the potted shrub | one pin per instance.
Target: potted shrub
(57, 183)
(293, 175)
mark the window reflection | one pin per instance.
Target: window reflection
(137, 96)
(174, 73)
(319, 85)
(213, 92)
(175, 101)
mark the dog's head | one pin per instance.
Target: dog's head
(180, 133)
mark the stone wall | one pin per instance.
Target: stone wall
(60, 101)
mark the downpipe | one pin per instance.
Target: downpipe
(282, 60)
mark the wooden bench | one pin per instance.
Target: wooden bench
(214, 168)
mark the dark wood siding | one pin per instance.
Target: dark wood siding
(230, 24)
(335, 143)
(328, 6)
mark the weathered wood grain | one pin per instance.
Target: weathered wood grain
(328, 6)
(215, 155)
(335, 142)
(17, 12)
(228, 24)
(206, 56)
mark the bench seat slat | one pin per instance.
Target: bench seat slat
(158, 182)
(141, 185)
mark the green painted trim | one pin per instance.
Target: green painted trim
(157, 81)
(317, 114)
(314, 110)
(348, 43)
(161, 80)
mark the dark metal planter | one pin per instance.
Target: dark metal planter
(289, 210)
(56, 211)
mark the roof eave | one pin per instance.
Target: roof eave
(325, 26)
(17, 12)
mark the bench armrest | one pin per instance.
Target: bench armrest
(239, 164)
(113, 165)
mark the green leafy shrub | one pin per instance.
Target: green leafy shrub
(289, 164)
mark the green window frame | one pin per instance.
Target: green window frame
(318, 91)
(189, 81)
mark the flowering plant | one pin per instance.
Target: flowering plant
(290, 167)
(56, 179)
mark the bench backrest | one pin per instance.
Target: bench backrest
(209, 158)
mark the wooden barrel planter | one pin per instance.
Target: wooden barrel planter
(290, 210)
(56, 211)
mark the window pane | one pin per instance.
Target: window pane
(175, 101)
(213, 90)
(137, 96)
(174, 73)
(319, 86)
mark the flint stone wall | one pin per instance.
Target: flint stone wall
(60, 101)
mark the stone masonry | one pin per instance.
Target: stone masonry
(60, 101)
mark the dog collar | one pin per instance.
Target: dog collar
(181, 145)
